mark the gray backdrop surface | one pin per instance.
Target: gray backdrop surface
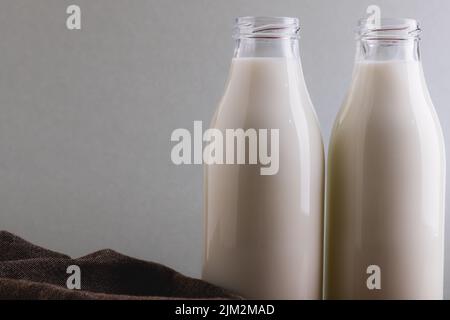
(86, 116)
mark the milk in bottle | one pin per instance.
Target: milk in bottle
(263, 233)
(386, 175)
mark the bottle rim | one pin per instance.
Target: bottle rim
(266, 27)
(396, 29)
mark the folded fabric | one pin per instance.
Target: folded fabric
(31, 272)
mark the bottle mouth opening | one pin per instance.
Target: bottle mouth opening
(395, 29)
(266, 28)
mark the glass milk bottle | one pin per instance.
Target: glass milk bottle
(263, 232)
(386, 175)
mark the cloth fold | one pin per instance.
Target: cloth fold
(28, 271)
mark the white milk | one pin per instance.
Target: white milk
(263, 234)
(386, 187)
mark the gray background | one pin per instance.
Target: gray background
(86, 116)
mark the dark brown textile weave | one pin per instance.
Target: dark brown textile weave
(31, 272)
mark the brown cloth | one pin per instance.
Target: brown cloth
(31, 272)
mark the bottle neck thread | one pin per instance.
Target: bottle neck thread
(266, 37)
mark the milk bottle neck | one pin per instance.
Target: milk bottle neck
(266, 37)
(266, 48)
(376, 50)
(388, 40)
(388, 70)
